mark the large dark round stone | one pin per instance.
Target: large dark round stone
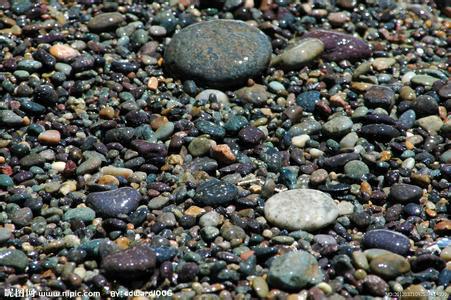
(115, 202)
(220, 53)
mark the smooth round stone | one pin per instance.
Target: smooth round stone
(338, 126)
(63, 52)
(50, 137)
(389, 265)
(299, 54)
(219, 53)
(407, 93)
(210, 128)
(115, 202)
(294, 270)
(13, 258)
(355, 169)
(386, 239)
(5, 181)
(5, 234)
(339, 46)
(105, 21)
(407, 119)
(301, 209)
(130, 263)
(415, 292)
(423, 79)
(216, 192)
(84, 214)
(307, 100)
(405, 192)
(383, 63)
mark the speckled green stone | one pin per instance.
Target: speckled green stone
(219, 53)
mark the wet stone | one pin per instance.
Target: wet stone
(339, 46)
(405, 192)
(379, 96)
(130, 263)
(13, 258)
(294, 271)
(218, 53)
(386, 239)
(114, 203)
(216, 192)
(105, 21)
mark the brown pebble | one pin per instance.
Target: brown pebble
(63, 52)
(51, 137)
(107, 113)
(223, 154)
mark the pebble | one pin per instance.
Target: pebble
(338, 126)
(63, 52)
(405, 192)
(219, 53)
(84, 214)
(50, 137)
(340, 46)
(356, 169)
(130, 263)
(216, 192)
(115, 202)
(379, 96)
(389, 265)
(307, 100)
(299, 54)
(294, 270)
(301, 209)
(386, 239)
(105, 21)
(13, 258)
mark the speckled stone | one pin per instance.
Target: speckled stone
(115, 202)
(340, 46)
(105, 21)
(294, 270)
(219, 53)
(303, 209)
(216, 192)
(386, 239)
(130, 263)
(405, 192)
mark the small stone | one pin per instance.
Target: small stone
(356, 169)
(340, 46)
(431, 124)
(425, 105)
(338, 126)
(115, 202)
(219, 53)
(383, 63)
(260, 287)
(415, 292)
(200, 146)
(405, 193)
(307, 100)
(116, 171)
(13, 258)
(299, 54)
(130, 263)
(422, 79)
(251, 135)
(206, 95)
(5, 181)
(407, 93)
(216, 192)
(379, 96)
(374, 285)
(386, 239)
(294, 270)
(84, 214)
(50, 137)
(63, 52)
(10, 119)
(379, 132)
(223, 154)
(389, 265)
(301, 209)
(105, 21)
(256, 94)
(300, 140)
